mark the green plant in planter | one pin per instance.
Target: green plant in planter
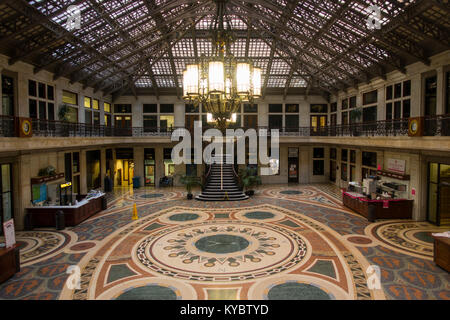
(356, 114)
(48, 171)
(249, 178)
(190, 182)
(63, 112)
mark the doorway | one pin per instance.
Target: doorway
(123, 125)
(6, 200)
(318, 125)
(438, 193)
(293, 165)
(332, 170)
(149, 167)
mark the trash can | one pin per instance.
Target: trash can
(108, 184)
(104, 203)
(136, 182)
(60, 222)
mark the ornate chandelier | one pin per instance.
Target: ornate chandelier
(221, 82)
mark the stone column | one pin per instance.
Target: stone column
(440, 98)
(83, 172)
(138, 153)
(22, 199)
(159, 164)
(179, 114)
(102, 167)
(263, 114)
(417, 108)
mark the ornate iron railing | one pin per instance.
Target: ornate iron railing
(433, 126)
(7, 126)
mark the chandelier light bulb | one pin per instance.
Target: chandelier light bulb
(243, 78)
(216, 77)
(257, 82)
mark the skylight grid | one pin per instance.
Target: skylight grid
(165, 82)
(162, 67)
(184, 48)
(298, 82)
(238, 48)
(258, 48)
(276, 82)
(279, 67)
(144, 82)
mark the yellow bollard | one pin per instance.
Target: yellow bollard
(135, 213)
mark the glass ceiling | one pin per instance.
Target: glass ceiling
(120, 44)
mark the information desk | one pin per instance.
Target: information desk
(9, 262)
(378, 209)
(45, 216)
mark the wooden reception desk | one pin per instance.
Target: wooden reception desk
(45, 216)
(378, 209)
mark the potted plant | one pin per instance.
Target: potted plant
(249, 178)
(355, 117)
(189, 182)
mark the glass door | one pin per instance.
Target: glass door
(318, 124)
(439, 193)
(293, 165)
(6, 205)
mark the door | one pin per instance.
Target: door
(6, 204)
(438, 194)
(250, 121)
(318, 125)
(149, 170)
(123, 125)
(293, 165)
(189, 121)
(332, 170)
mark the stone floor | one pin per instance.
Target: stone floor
(286, 242)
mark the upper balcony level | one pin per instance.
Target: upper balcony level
(46, 134)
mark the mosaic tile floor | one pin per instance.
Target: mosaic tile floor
(286, 242)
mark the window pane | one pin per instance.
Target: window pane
(369, 159)
(42, 110)
(275, 121)
(388, 111)
(166, 122)
(333, 153)
(370, 97)
(190, 108)
(397, 110)
(397, 90)
(95, 104)
(344, 104)
(50, 111)
(407, 88)
(70, 97)
(87, 102)
(150, 121)
(32, 88)
(430, 96)
(122, 108)
(370, 114)
(275, 108)
(88, 117)
(41, 90)
(107, 107)
(292, 108)
(50, 93)
(319, 108)
(344, 155)
(318, 153)
(389, 93)
(250, 108)
(352, 156)
(352, 102)
(318, 167)
(406, 108)
(292, 121)
(166, 108)
(32, 108)
(150, 108)
(344, 117)
(96, 118)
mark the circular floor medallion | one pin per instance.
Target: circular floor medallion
(221, 251)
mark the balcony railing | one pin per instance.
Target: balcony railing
(7, 128)
(434, 126)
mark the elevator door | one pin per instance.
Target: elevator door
(6, 205)
(293, 165)
(439, 193)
